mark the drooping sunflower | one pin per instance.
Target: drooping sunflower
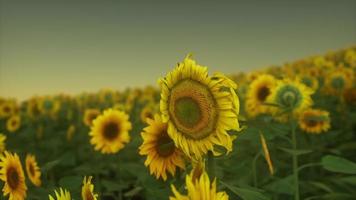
(88, 189)
(259, 90)
(12, 174)
(13, 123)
(110, 131)
(89, 115)
(339, 80)
(198, 108)
(314, 121)
(162, 155)
(290, 96)
(63, 194)
(32, 170)
(199, 189)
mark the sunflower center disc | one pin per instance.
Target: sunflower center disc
(32, 169)
(192, 109)
(263, 93)
(12, 178)
(88, 195)
(338, 83)
(165, 146)
(111, 130)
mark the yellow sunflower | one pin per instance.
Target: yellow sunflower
(70, 132)
(89, 115)
(339, 80)
(148, 112)
(13, 123)
(259, 90)
(49, 106)
(110, 131)
(2, 142)
(32, 108)
(309, 81)
(6, 109)
(12, 174)
(199, 109)
(61, 195)
(162, 155)
(32, 170)
(290, 96)
(199, 189)
(314, 121)
(88, 189)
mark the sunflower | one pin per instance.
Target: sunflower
(309, 81)
(49, 106)
(61, 195)
(162, 155)
(290, 96)
(148, 112)
(13, 123)
(199, 109)
(12, 174)
(2, 142)
(88, 189)
(109, 132)
(70, 132)
(339, 80)
(32, 170)
(350, 96)
(257, 94)
(199, 189)
(32, 108)
(314, 121)
(6, 109)
(89, 115)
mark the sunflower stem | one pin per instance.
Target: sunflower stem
(295, 161)
(254, 169)
(211, 165)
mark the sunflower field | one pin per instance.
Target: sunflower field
(282, 132)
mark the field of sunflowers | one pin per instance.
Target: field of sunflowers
(282, 132)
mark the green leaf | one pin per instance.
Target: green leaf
(246, 193)
(71, 182)
(112, 186)
(48, 166)
(282, 186)
(338, 164)
(349, 179)
(322, 186)
(297, 152)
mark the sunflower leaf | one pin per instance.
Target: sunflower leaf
(297, 152)
(338, 164)
(246, 193)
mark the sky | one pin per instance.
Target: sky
(48, 47)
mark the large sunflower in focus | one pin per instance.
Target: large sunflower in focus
(33, 171)
(12, 174)
(199, 189)
(259, 90)
(162, 155)
(110, 131)
(198, 108)
(314, 121)
(290, 96)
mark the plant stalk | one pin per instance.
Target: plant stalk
(295, 162)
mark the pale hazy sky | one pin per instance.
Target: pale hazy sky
(48, 47)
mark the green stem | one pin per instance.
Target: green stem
(254, 169)
(211, 165)
(295, 162)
